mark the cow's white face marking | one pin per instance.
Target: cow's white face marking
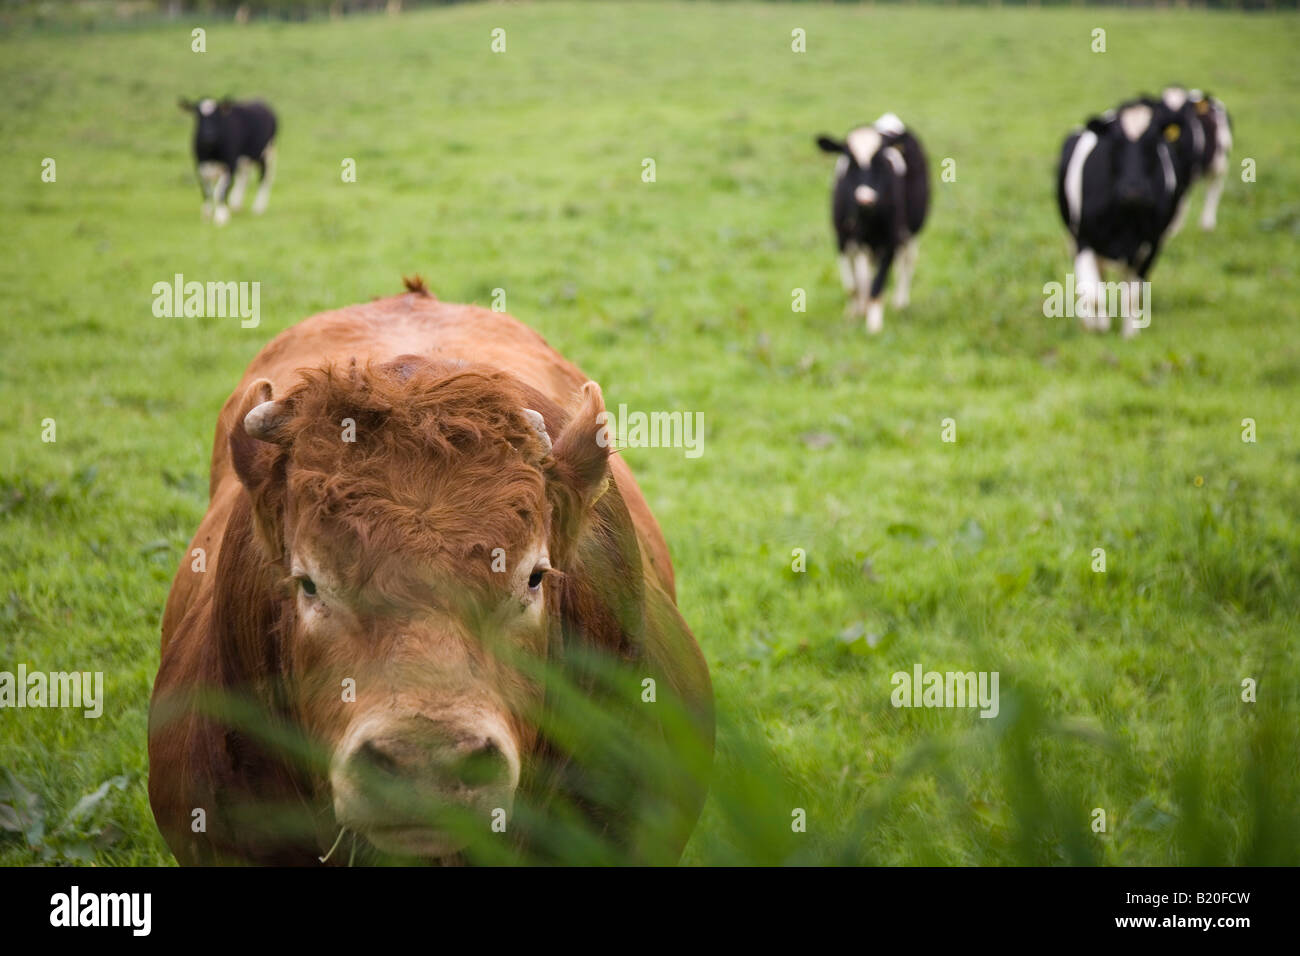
(864, 143)
(207, 107)
(1134, 121)
(1174, 97)
(865, 196)
(889, 123)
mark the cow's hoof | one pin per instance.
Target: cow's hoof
(221, 216)
(259, 207)
(875, 318)
(1208, 224)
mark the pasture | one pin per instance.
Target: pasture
(522, 171)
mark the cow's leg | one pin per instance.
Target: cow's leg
(846, 270)
(220, 211)
(861, 282)
(209, 173)
(1131, 305)
(876, 307)
(243, 170)
(1180, 214)
(1138, 277)
(1087, 280)
(1219, 173)
(268, 176)
(906, 269)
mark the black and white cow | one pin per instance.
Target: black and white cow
(1118, 188)
(229, 139)
(1203, 152)
(879, 198)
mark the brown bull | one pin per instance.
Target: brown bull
(398, 572)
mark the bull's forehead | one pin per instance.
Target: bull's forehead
(1174, 97)
(207, 107)
(864, 142)
(1135, 120)
(373, 571)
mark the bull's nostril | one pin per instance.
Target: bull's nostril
(375, 759)
(482, 764)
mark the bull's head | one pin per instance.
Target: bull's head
(870, 162)
(418, 518)
(1140, 140)
(210, 117)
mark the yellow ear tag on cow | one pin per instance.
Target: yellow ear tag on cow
(1172, 133)
(1202, 107)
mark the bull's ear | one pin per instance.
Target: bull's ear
(829, 145)
(1099, 124)
(581, 454)
(225, 104)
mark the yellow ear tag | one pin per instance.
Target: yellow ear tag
(1202, 107)
(1172, 133)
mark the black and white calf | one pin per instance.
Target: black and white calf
(229, 139)
(1118, 187)
(1203, 152)
(879, 198)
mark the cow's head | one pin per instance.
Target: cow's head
(869, 160)
(419, 517)
(211, 116)
(1139, 140)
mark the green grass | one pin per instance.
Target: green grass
(523, 171)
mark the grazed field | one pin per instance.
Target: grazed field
(522, 171)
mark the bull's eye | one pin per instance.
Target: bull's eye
(535, 579)
(308, 585)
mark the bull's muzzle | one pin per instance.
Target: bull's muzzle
(865, 196)
(419, 787)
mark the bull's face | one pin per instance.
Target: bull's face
(418, 586)
(868, 163)
(211, 117)
(1139, 139)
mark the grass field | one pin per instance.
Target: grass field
(522, 171)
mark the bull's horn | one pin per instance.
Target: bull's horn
(266, 420)
(538, 424)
